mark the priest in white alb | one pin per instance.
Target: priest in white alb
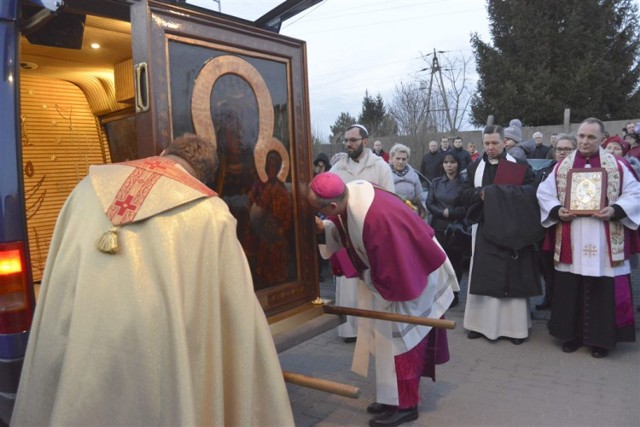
(592, 302)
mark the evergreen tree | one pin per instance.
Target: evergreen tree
(548, 55)
(373, 113)
(389, 125)
(341, 124)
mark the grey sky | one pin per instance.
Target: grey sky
(358, 45)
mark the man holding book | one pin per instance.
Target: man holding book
(501, 201)
(592, 304)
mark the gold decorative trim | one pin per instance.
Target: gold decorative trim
(201, 109)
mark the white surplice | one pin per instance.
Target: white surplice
(589, 240)
(374, 169)
(386, 339)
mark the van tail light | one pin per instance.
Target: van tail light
(15, 307)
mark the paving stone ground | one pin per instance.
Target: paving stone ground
(485, 383)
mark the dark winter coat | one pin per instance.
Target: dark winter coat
(445, 194)
(540, 152)
(431, 165)
(463, 157)
(504, 259)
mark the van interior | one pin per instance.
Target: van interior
(76, 99)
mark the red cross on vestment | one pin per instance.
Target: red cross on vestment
(125, 205)
(152, 164)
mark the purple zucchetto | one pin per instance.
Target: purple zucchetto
(327, 185)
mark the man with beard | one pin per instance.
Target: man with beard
(360, 163)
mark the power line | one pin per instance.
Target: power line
(367, 9)
(387, 22)
(351, 71)
(286, 24)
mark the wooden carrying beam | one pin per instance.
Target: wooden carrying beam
(381, 315)
(322, 385)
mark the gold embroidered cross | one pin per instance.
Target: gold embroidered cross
(590, 250)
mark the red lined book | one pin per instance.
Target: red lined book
(510, 173)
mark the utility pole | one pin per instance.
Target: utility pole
(435, 68)
(429, 94)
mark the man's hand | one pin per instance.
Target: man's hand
(564, 214)
(319, 226)
(605, 214)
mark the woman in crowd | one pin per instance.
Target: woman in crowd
(443, 203)
(405, 179)
(620, 147)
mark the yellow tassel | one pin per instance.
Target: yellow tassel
(108, 243)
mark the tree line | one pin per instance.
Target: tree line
(545, 56)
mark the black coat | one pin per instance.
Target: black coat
(463, 157)
(504, 258)
(431, 165)
(540, 152)
(445, 194)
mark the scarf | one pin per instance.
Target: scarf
(403, 172)
(614, 229)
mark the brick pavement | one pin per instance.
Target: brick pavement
(484, 384)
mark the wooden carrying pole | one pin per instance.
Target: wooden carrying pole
(322, 385)
(381, 315)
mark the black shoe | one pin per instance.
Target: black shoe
(517, 341)
(349, 339)
(546, 305)
(599, 352)
(571, 346)
(395, 418)
(379, 408)
(473, 335)
(455, 301)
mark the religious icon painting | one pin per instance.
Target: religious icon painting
(586, 190)
(245, 90)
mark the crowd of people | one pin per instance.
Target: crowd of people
(194, 328)
(524, 218)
